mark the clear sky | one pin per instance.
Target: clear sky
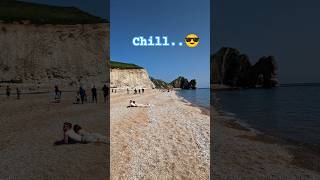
(172, 18)
(287, 29)
(98, 8)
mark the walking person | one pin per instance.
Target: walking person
(56, 90)
(18, 93)
(8, 91)
(127, 90)
(82, 93)
(142, 90)
(94, 94)
(139, 91)
(105, 90)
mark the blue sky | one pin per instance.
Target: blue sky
(287, 29)
(174, 19)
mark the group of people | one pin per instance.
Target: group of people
(136, 91)
(76, 134)
(8, 92)
(82, 95)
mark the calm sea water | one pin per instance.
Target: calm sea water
(200, 97)
(290, 112)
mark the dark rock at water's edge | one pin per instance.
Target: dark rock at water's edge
(229, 67)
(183, 83)
(160, 84)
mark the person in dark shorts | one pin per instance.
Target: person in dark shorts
(94, 94)
(82, 93)
(18, 93)
(105, 90)
(8, 91)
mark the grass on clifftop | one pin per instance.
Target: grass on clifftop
(120, 65)
(12, 10)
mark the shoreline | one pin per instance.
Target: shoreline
(204, 110)
(296, 155)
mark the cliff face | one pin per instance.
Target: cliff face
(130, 78)
(229, 67)
(41, 56)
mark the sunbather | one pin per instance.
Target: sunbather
(88, 137)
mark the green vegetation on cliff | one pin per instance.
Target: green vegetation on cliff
(160, 84)
(120, 65)
(12, 10)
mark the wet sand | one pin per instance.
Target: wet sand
(31, 125)
(169, 140)
(239, 153)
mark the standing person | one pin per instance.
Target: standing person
(8, 91)
(105, 90)
(82, 93)
(56, 90)
(139, 91)
(127, 90)
(142, 90)
(135, 91)
(94, 94)
(18, 93)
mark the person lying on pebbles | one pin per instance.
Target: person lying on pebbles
(134, 104)
(75, 135)
(89, 137)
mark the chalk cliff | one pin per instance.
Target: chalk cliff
(130, 78)
(40, 56)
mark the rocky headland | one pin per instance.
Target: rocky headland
(179, 83)
(183, 83)
(230, 68)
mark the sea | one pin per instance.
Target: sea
(290, 111)
(199, 97)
